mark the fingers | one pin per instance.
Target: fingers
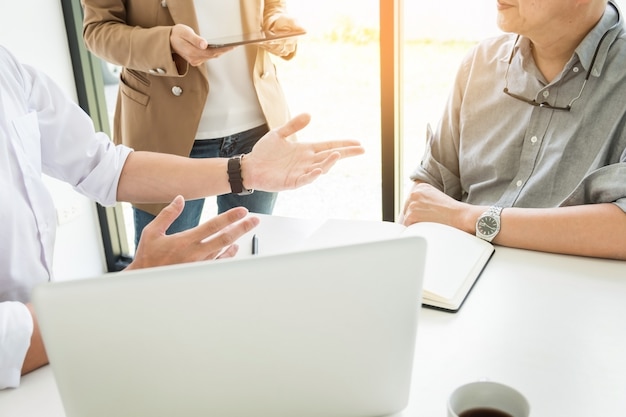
(217, 224)
(326, 159)
(166, 217)
(283, 23)
(222, 231)
(182, 36)
(199, 42)
(348, 151)
(214, 238)
(217, 52)
(294, 125)
(349, 147)
(229, 252)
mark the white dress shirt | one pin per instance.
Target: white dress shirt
(42, 131)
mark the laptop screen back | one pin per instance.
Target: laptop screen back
(327, 332)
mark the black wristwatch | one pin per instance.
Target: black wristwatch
(234, 176)
(488, 224)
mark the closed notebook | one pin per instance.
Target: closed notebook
(454, 259)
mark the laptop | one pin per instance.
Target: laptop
(324, 332)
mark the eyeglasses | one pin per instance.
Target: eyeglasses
(545, 104)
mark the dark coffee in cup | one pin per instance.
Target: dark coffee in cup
(484, 412)
(486, 398)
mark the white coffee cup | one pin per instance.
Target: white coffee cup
(486, 394)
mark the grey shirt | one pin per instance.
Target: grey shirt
(491, 148)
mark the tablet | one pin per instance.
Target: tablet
(255, 37)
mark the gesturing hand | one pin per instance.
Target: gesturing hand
(210, 240)
(277, 163)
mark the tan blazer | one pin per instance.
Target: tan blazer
(158, 108)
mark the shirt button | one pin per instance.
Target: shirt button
(533, 139)
(545, 94)
(575, 69)
(177, 91)
(519, 183)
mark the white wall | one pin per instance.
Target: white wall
(34, 31)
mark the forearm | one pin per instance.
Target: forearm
(36, 356)
(149, 177)
(597, 230)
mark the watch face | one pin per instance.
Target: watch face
(487, 225)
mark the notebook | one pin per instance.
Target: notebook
(454, 261)
(324, 332)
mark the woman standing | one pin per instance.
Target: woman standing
(177, 96)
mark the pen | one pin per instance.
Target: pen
(255, 245)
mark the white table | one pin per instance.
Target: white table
(551, 326)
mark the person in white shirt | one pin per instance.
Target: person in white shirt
(42, 131)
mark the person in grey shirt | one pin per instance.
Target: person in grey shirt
(531, 149)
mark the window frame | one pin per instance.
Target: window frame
(90, 92)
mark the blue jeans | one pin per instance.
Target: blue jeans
(257, 202)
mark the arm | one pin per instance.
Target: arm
(597, 230)
(108, 32)
(113, 32)
(20, 343)
(36, 356)
(275, 164)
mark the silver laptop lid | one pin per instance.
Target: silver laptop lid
(322, 333)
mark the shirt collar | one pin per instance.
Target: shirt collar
(606, 31)
(611, 24)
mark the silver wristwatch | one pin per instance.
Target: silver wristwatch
(488, 224)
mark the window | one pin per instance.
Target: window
(436, 37)
(339, 78)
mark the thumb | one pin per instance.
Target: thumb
(292, 126)
(189, 35)
(201, 43)
(168, 215)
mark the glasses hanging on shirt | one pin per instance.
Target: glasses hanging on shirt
(545, 104)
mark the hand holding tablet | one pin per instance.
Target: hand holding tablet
(255, 37)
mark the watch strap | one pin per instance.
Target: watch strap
(494, 211)
(234, 176)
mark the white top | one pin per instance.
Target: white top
(42, 131)
(232, 105)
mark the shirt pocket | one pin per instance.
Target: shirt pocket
(28, 135)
